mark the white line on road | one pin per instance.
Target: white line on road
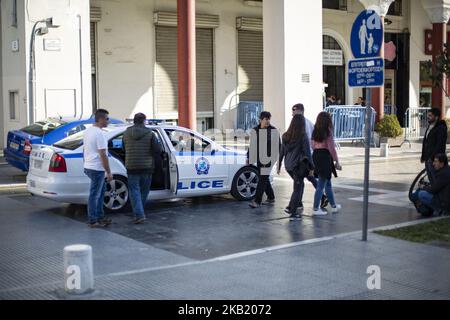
(387, 197)
(270, 249)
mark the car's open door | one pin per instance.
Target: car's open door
(173, 170)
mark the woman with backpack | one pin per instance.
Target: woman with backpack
(326, 162)
(296, 153)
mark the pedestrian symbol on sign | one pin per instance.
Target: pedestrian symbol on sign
(367, 35)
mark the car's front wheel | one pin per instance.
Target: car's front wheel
(116, 194)
(244, 184)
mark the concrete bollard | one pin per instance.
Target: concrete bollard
(78, 269)
(384, 150)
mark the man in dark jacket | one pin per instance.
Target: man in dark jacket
(140, 144)
(434, 142)
(436, 197)
(264, 150)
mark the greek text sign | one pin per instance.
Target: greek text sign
(366, 72)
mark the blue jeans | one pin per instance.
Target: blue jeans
(427, 199)
(96, 195)
(139, 185)
(321, 185)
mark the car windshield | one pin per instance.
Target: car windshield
(43, 127)
(71, 142)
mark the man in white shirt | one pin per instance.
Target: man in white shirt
(96, 167)
(299, 108)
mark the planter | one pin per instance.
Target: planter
(393, 142)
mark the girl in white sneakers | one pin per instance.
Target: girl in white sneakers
(325, 160)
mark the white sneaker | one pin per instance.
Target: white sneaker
(336, 209)
(320, 212)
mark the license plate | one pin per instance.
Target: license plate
(32, 184)
(14, 145)
(38, 164)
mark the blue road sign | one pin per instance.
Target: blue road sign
(366, 72)
(367, 35)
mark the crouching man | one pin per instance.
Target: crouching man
(435, 197)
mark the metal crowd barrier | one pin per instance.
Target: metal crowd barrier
(349, 123)
(390, 109)
(415, 124)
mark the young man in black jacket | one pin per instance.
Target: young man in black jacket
(264, 150)
(435, 197)
(434, 142)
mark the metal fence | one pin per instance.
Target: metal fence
(349, 122)
(415, 123)
(390, 109)
(248, 114)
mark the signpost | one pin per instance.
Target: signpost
(366, 71)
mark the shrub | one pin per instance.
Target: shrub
(389, 127)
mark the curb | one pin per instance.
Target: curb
(408, 224)
(12, 186)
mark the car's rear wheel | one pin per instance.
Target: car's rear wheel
(116, 194)
(244, 184)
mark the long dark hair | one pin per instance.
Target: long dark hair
(323, 127)
(296, 129)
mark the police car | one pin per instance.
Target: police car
(190, 165)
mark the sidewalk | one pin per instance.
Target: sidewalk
(329, 268)
(355, 154)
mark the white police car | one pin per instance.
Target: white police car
(191, 165)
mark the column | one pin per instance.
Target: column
(292, 58)
(439, 13)
(187, 88)
(381, 7)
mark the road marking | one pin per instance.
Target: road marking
(270, 249)
(386, 197)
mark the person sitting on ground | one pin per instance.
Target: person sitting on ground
(435, 197)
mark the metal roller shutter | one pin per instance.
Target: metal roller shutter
(250, 65)
(205, 71)
(166, 73)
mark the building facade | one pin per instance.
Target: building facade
(122, 55)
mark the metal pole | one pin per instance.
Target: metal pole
(368, 121)
(31, 77)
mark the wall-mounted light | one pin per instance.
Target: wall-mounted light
(387, 21)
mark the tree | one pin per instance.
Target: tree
(439, 68)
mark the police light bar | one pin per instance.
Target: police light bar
(149, 122)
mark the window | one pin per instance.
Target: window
(72, 142)
(43, 127)
(14, 14)
(335, 4)
(184, 141)
(396, 8)
(13, 105)
(334, 75)
(426, 84)
(78, 128)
